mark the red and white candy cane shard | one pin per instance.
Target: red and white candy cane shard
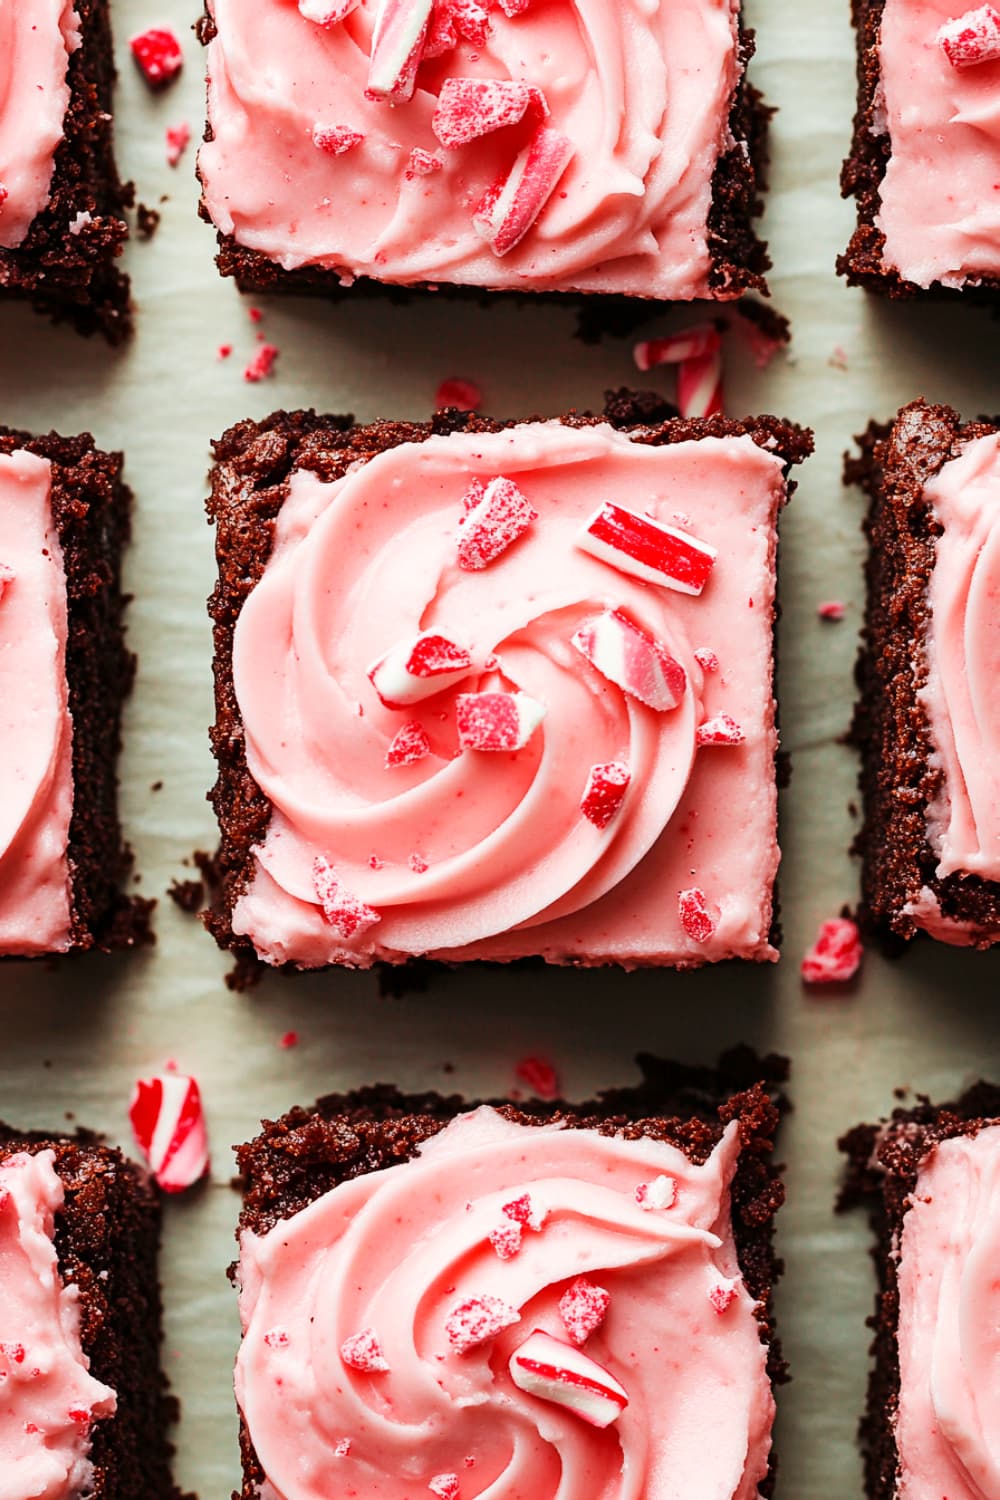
(836, 955)
(554, 1371)
(158, 54)
(326, 12)
(421, 164)
(342, 1447)
(692, 343)
(408, 745)
(346, 914)
(706, 659)
(397, 47)
(418, 668)
(605, 791)
(524, 1211)
(510, 207)
(470, 107)
(477, 1320)
(721, 730)
(659, 1194)
(699, 385)
(169, 1127)
(445, 1486)
(363, 1351)
(506, 1239)
(699, 917)
(336, 140)
(723, 1296)
(647, 549)
(496, 516)
(632, 660)
(973, 38)
(454, 391)
(514, 8)
(497, 721)
(583, 1307)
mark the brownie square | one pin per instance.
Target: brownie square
(62, 203)
(627, 816)
(80, 1228)
(493, 165)
(930, 843)
(390, 1216)
(924, 160)
(928, 1180)
(65, 672)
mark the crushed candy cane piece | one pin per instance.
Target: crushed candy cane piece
(262, 363)
(465, 395)
(342, 1447)
(445, 1486)
(699, 385)
(158, 54)
(363, 1351)
(699, 917)
(624, 654)
(471, 107)
(177, 138)
(838, 357)
(326, 12)
(605, 791)
(336, 140)
(168, 1122)
(421, 164)
(691, 343)
(720, 730)
(514, 8)
(276, 1338)
(524, 1212)
(14, 1353)
(647, 549)
(497, 721)
(555, 1371)
(973, 38)
(836, 955)
(511, 205)
(288, 1039)
(723, 1296)
(418, 668)
(831, 609)
(397, 46)
(540, 1076)
(409, 745)
(418, 864)
(80, 221)
(659, 1194)
(476, 1320)
(496, 516)
(706, 659)
(347, 915)
(583, 1307)
(506, 1239)
(7, 577)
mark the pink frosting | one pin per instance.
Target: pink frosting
(642, 91)
(506, 864)
(940, 195)
(396, 1250)
(948, 1428)
(36, 773)
(36, 39)
(48, 1399)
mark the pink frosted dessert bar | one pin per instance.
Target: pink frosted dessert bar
(491, 692)
(505, 145)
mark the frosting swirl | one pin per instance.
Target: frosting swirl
(462, 849)
(642, 91)
(396, 1250)
(948, 1427)
(962, 693)
(36, 39)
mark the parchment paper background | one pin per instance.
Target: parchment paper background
(73, 1038)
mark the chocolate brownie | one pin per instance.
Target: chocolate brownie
(83, 503)
(311, 1154)
(928, 842)
(64, 258)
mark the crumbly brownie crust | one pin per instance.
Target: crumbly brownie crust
(297, 1159)
(107, 1240)
(862, 174)
(74, 277)
(92, 507)
(739, 257)
(253, 462)
(881, 1172)
(890, 725)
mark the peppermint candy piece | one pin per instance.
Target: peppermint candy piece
(496, 516)
(158, 54)
(554, 1371)
(512, 204)
(583, 1307)
(723, 1296)
(421, 164)
(326, 12)
(347, 914)
(471, 107)
(659, 1194)
(445, 1486)
(647, 549)
(397, 48)
(699, 385)
(836, 955)
(497, 721)
(632, 660)
(336, 140)
(169, 1127)
(409, 744)
(693, 343)
(973, 38)
(698, 918)
(506, 1239)
(605, 791)
(418, 668)
(363, 1351)
(477, 1320)
(722, 730)
(523, 1211)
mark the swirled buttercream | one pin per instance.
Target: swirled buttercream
(642, 90)
(36, 774)
(948, 1427)
(962, 692)
(940, 195)
(36, 39)
(48, 1398)
(397, 1250)
(468, 854)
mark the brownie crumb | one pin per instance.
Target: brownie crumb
(147, 221)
